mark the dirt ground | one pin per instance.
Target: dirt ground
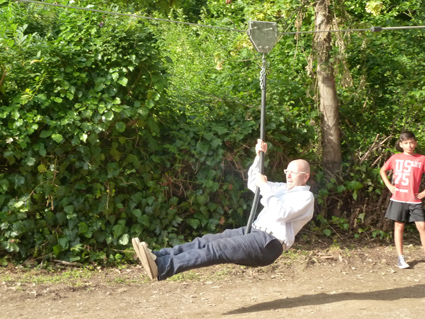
(329, 282)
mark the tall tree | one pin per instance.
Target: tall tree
(329, 104)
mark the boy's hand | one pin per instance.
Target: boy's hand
(392, 189)
(420, 195)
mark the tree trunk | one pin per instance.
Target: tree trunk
(329, 105)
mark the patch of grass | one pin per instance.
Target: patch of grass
(294, 254)
(188, 275)
(335, 248)
(119, 280)
(6, 278)
(74, 277)
(347, 252)
(127, 281)
(78, 274)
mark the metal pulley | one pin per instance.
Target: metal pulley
(263, 35)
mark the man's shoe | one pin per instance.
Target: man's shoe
(402, 263)
(146, 257)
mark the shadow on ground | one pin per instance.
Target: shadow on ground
(410, 292)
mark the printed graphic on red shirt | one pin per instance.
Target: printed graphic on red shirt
(407, 175)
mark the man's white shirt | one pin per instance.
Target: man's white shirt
(285, 211)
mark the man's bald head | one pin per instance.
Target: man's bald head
(303, 165)
(297, 173)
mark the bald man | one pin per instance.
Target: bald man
(287, 208)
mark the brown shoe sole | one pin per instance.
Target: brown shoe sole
(144, 255)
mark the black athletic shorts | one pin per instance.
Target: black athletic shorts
(405, 212)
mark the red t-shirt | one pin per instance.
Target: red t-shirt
(407, 175)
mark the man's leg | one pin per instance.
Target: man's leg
(254, 249)
(199, 242)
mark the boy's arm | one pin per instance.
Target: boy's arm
(421, 194)
(383, 173)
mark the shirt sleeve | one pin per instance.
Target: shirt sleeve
(388, 165)
(252, 173)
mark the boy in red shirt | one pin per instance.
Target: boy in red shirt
(405, 203)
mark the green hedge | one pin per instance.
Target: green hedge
(93, 151)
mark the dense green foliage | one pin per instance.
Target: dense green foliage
(116, 127)
(80, 109)
(94, 153)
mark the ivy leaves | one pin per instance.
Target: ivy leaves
(74, 99)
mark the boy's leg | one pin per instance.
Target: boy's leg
(254, 249)
(398, 237)
(421, 228)
(417, 215)
(398, 212)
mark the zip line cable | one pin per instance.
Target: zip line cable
(372, 29)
